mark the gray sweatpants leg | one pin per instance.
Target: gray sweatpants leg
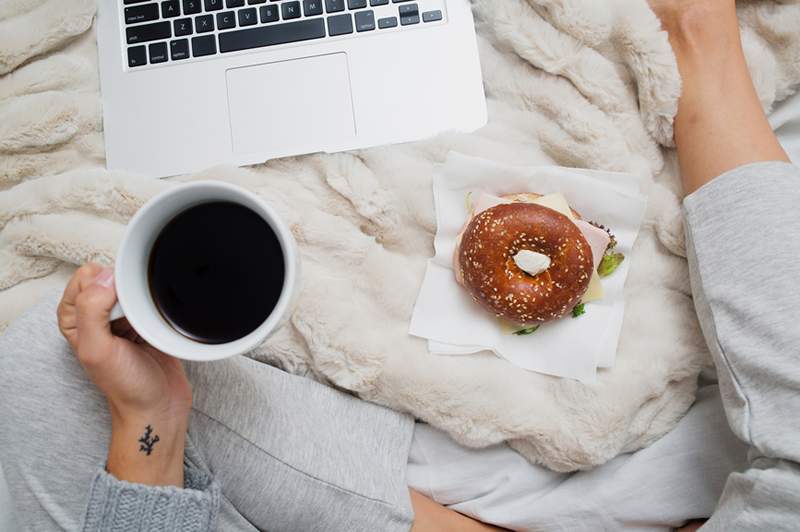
(290, 454)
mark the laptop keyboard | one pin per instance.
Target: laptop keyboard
(175, 30)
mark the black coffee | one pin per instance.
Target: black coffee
(216, 271)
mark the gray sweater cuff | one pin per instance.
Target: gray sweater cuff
(120, 506)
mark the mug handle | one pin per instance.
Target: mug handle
(116, 312)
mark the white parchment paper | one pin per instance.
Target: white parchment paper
(453, 324)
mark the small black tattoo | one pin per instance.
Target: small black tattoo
(146, 441)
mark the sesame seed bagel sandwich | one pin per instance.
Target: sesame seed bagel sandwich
(529, 259)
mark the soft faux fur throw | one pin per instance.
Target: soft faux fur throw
(584, 83)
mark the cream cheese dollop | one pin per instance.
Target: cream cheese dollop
(531, 262)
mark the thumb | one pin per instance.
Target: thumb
(94, 304)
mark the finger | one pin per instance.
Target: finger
(94, 304)
(82, 278)
(67, 323)
(67, 314)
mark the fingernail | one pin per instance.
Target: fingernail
(105, 277)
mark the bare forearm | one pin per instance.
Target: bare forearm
(720, 123)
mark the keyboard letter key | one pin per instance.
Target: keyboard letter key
(226, 20)
(170, 8)
(247, 17)
(312, 7)
(290, 10)
(268, 13)
(204, 23)
(183, 26)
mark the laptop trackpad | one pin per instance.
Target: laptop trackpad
(297, 106)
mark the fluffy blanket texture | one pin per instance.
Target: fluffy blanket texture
(578, 83)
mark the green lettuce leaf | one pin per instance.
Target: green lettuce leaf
(610, 263)
(527, 330)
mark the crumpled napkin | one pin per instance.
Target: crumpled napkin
(453, 324)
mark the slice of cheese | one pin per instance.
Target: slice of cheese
(557, 202)
(595, 290)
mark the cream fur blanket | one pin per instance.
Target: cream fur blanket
(584, 83)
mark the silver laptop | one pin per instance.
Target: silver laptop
(188, 84)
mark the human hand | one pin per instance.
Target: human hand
(148, 394)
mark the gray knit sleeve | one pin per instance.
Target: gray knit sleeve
(743, 245)
(119, 506)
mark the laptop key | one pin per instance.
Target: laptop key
(141, 13)
(365, 21)
(179, 49)
(356, 4)
(148, 32)
(226, 20)
(410, 9)
(340, 25)
(213, 5)
(191, 7)
(182, 26)
(254, 2)
(158, 52)
(234, 3)
(432, 16)
(334, 6)
(204, 23)
(290, 10)
(170, 8)
(137, 56)
(247, 17)
(204, 45)
(374, 3)
(301, 30)
(312, 7)
(409, 14)
(268, 13)
(388, 22)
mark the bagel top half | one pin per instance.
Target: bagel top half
(488, 261)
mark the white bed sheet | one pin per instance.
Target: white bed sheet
(785, 120)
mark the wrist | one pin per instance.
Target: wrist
(702, 28)
(147, 449)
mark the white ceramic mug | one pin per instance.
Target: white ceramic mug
(130, 273)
